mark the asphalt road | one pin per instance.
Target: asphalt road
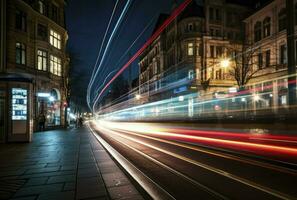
(189, 170)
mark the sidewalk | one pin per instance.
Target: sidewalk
(64, 165)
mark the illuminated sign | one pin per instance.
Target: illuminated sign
(19, 104)
(43, 94)
(180, 89)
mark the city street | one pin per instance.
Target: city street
(187, 169)
(148, 99)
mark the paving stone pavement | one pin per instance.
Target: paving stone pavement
(61, 164)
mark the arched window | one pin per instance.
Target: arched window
(282, 20)
(266, 27)
(257, 31)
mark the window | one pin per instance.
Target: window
(20, 53)
(257, 31)
(282, 20)
(190, 27)
(267, 58)
(55, 13)
(41, 6)
(198, 50)
(211, 14)
(190, 49)
(219, 51)
(266, 27)
(260, 61)
(218, 33)
(212, 53)
(55, 39)
(42, 60)
(219, 74)
(218, 15)
(20, 20)
(283, 54)
(42, 31)
(55, 65)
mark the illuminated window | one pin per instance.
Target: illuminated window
(55, 65)
(20, 53)
(190, 49)
(41, 60)
(55, 39)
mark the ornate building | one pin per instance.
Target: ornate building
(33, 47)
(188, 55)
(266, 32)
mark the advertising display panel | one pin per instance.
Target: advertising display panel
(19, 104)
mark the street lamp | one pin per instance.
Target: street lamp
(256, 97)
(137, 96)
(225, 63)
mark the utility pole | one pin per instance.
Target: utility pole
(291, 52)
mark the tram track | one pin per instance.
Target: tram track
(163, 159)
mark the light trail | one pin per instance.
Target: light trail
(175, 13)
(111, 38)
(98, 56)
(226, 143)
(126, 52)
(109, 132)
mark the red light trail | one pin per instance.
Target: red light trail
(175, 13)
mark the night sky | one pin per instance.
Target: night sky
(86, 24)
(87, 21)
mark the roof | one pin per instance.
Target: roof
(192, 10)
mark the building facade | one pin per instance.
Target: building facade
(187, 56)
(33, 47)
(266, 32)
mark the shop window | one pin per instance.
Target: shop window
(20, 53)
(55, 39)
(20, 20)
(55, 65)
(191, 74)
(42, 60)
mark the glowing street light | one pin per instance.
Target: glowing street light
(256, 97)
(51, 98)
(137, 96)
(225, 63)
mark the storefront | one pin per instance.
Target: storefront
(49, 105)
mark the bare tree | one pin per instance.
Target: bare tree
(244, 61)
